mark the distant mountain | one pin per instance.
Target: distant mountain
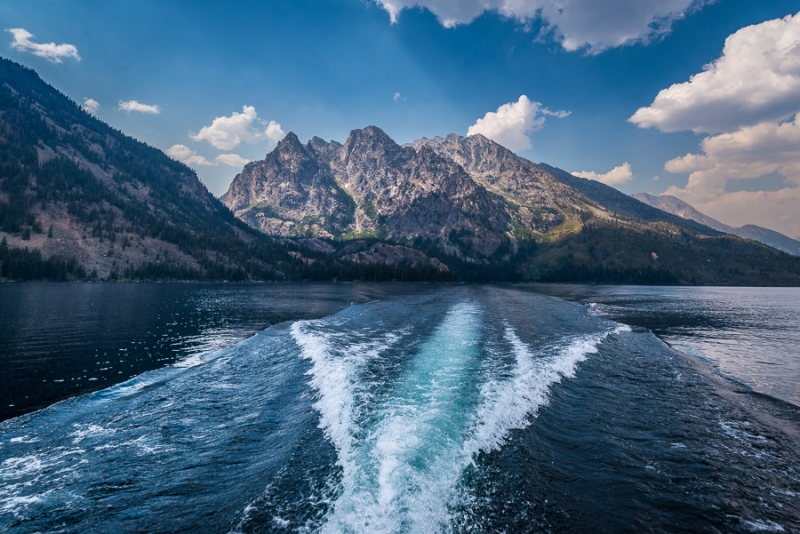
(676, 206)
(486, 213)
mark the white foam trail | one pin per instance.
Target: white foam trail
(509, 404)
(403, 475)
(401, 465)
(335, 376)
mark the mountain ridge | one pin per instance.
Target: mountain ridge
(678, 207)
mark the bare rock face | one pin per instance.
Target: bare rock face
(368, 186)
(537, 199)
(290, 194)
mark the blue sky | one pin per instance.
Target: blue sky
(164, 71)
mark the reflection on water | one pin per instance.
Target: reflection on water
(58, 340)
(750, 334)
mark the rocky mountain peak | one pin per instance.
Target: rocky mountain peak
(371, 140)
(316, 143)
(290, 144)
(504, 173)
(324, 150)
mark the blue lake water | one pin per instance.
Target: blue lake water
(369, 408)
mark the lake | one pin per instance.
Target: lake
(398, 408)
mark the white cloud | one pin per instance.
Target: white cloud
(556, 114)
(756, 79)
(512, 123)
(749, 153)
(618, 175)
(233, 160)
(274, 132)
(133, 105)
(50, 51)
(226, 133)
(91, 105)
(590, 25)
(749, 100)
(186, 155)
(397, 96)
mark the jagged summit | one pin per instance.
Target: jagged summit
(368, 186)
(289, 142)
(543, 201)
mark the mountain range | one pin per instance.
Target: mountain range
(81, 200)
(676, 206)
(473, 204)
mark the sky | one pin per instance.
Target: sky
(693, 98)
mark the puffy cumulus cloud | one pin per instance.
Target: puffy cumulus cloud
(50, 51)
(226, 133)
(133, 105)
(756, 79)
(186, 155)
(512, 123)
(746, 154)
(618, 175)
(91, 105)
(233, 160)
(589, 25)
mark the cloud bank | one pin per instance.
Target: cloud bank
(138, 107)
(186, 155)
(757, 78)
(748, 100)
(512, 123)
(618, 175)
(226, 133)
(50, 51)
(748, 153)
(590, 25)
